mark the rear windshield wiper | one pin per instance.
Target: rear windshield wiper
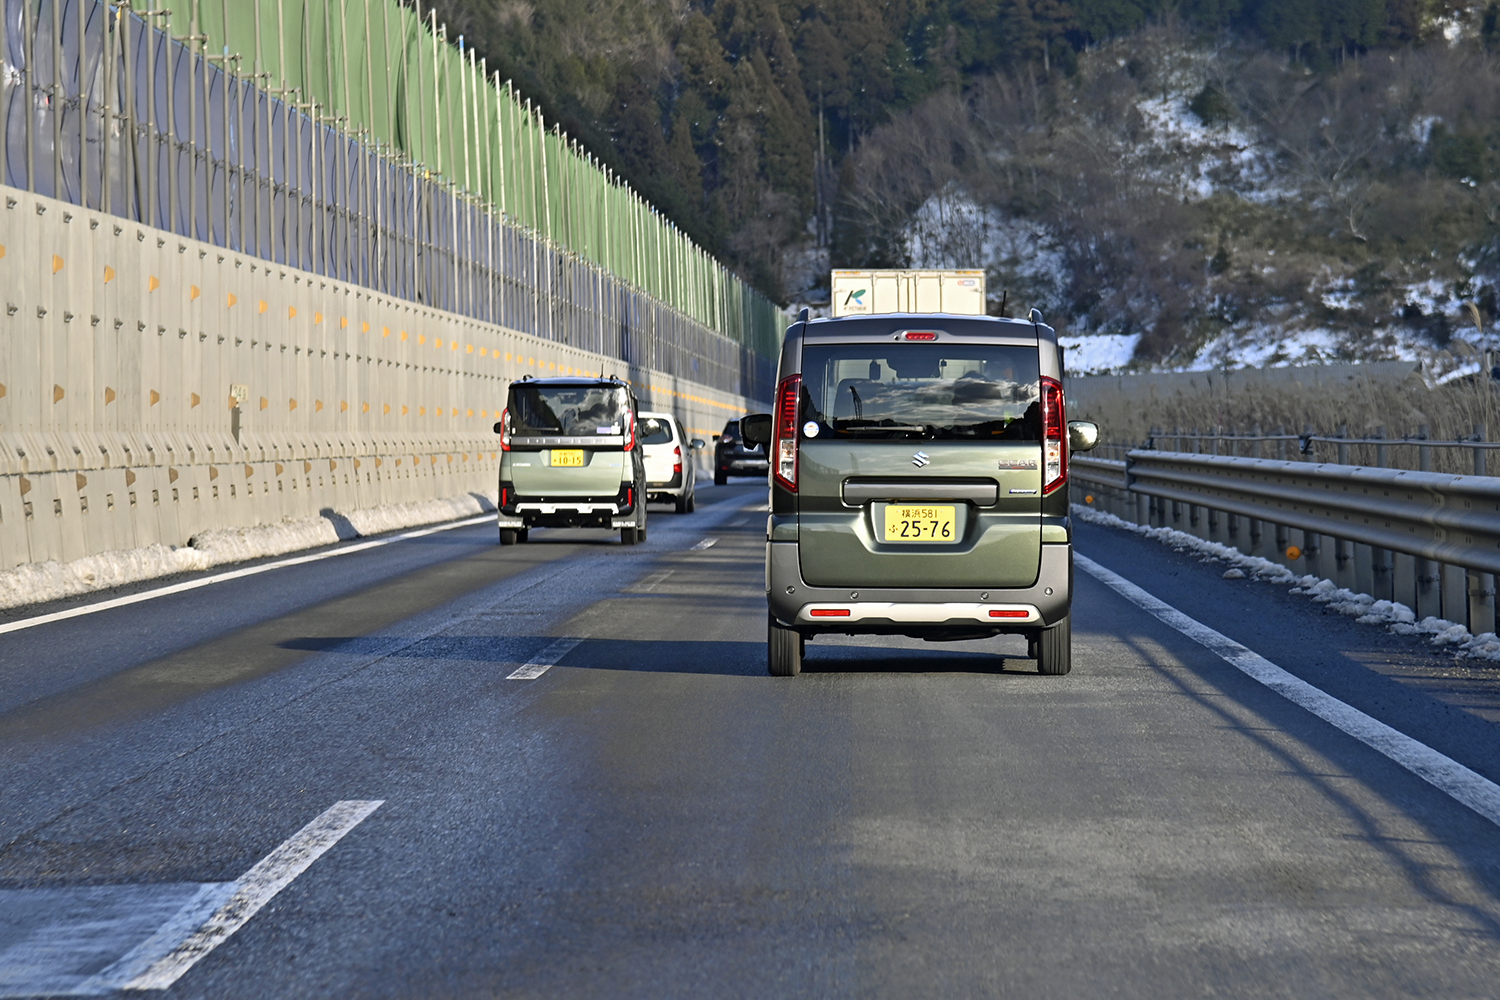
(882, 429)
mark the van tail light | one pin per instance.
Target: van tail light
(629, 431)
(505, 430)
(677, 461)
(784, 441)
(1054, 436)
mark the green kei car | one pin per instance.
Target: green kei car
(571, 456)
(919, 473)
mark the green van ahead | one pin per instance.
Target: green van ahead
(919, 472)
(571, 456)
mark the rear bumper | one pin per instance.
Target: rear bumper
(554, 512)
(901, 611)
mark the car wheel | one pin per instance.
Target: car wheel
(692, 501)
(682, 504)
(783, 649)
(640, 534)
(720, 477)
(507, 536)
(523, 534)
(1054, 648)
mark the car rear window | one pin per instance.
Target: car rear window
(567, 409)
(941, 391)
(655, 430)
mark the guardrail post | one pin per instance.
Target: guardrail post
(1453, 585)
(1481, 602)
(1403, 574)
(1281, 443)
(1429, 576)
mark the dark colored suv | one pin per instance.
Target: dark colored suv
(919, 484)
(571, 456)
(734, 456)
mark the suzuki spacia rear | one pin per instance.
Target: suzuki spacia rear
(919, 484)
(570, 457)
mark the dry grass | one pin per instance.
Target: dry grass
(1367, 408)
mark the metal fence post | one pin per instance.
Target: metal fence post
(1429, 573)
(1479, 453)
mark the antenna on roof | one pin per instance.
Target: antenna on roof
(1004, 298)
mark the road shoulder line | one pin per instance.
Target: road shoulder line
(1437, 769)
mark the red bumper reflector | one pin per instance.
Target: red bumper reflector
(828, 613)
(1006, 613)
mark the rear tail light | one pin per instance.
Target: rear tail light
(828, 613)
(784, 442)
(1054, 436)
(505, 430)
(629, 431)
(676, 460)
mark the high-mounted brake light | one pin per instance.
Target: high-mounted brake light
(677, 460)
(920, 335)
(1008, 613)
(505, 430)
(828, 613)
(1054, 436)
(784, 443)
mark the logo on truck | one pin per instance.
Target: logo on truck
(857, 298)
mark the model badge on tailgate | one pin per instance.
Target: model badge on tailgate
(1028, 465)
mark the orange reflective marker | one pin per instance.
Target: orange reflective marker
(1292, 552)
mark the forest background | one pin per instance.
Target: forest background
(1204, 181)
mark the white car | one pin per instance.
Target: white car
(669, 461)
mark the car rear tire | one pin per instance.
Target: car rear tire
(640, 534)
(720, 477)
(1054, 648)
(783, 649)
(507, 536)
(692, 501)
(682, 504)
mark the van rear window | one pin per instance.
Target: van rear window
(567, 409)
(941, 391)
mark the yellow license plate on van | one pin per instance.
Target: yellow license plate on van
(567, 458)
(921, 523)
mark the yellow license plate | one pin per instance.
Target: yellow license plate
(567, 457)
(920, 523)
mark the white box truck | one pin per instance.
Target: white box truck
(864, 293)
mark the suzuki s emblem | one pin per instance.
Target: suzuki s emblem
(920, 459)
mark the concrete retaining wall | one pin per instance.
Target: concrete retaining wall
(152, 387)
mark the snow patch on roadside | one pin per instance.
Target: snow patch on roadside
(35, 583)
(1366, 610)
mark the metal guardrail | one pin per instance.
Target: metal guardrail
(1429, 540)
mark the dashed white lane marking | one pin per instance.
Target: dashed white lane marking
(543, 660)
(651, 581)
(208, 581)
(254, 889)
(707, 543)
(1437, 769)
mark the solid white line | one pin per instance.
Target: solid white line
(707, 543)
(177, 588)
(543, 661)
(1437, 769)
(256, 887)
(209, 898)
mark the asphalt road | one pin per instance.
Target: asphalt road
(653, 816)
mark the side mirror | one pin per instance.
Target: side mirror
(756, 428)
(499, 427)
(697, 443)
(1082, 435)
